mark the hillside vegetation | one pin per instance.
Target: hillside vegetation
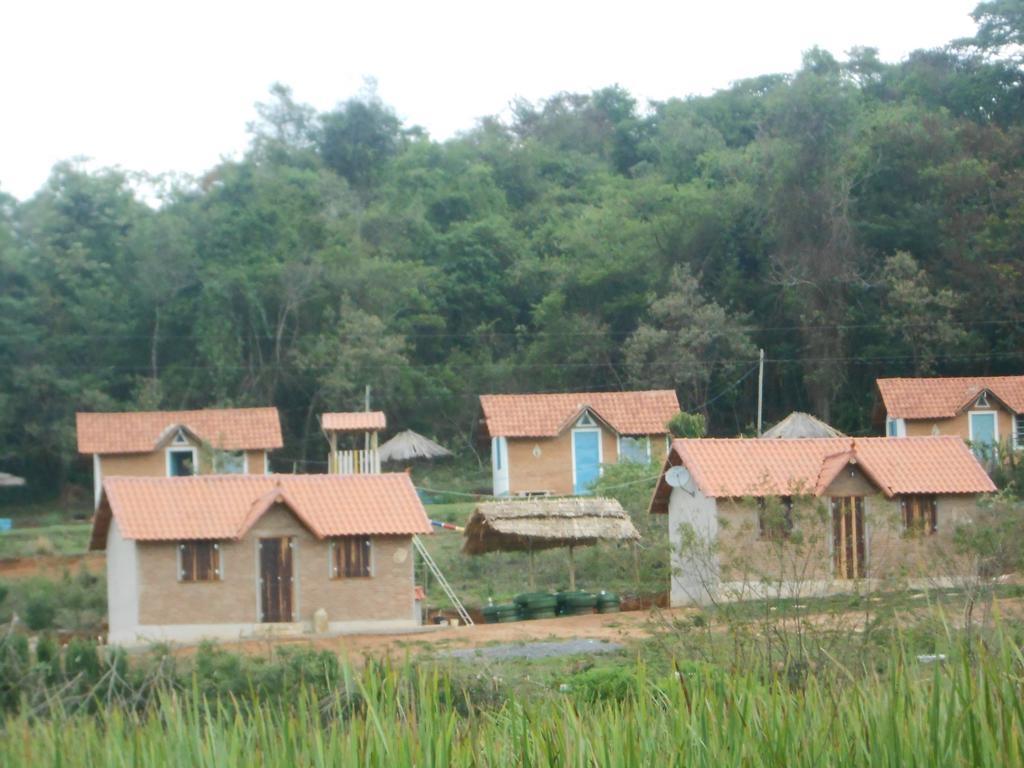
(854, 218)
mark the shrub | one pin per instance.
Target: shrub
(40, 609)
(688, 425)
(604, 684)
(82, 661)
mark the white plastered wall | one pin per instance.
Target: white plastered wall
(693, 530)
(122, 586)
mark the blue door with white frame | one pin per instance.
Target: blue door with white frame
(586, 451)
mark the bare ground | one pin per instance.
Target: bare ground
(49, 565)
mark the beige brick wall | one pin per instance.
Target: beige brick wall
(388, 594)
(959, 425)
(552, 469)
(154, 464)
(807, 554)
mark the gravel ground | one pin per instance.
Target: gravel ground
(534, 650)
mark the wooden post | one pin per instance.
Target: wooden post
(572, 569)
(636, 566)
(760, 388)
(533, 573)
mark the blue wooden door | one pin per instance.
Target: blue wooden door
(587, 454)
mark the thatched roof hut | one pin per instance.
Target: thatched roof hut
(799, 425)
(410, 446)
(533, 524)
(506, 526)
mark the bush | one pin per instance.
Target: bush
(604, 684)
(688, 425)
(82, 661)
(40, 609)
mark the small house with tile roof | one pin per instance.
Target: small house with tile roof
(988, 411)
(557, 443)
(235, 556)
(176, 443)
(752, 518)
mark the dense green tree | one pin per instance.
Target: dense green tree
(855, 218)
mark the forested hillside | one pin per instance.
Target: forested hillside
(855, 219)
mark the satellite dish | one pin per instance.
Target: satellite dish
(678, 477)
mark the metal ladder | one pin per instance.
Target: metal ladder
(459, 607)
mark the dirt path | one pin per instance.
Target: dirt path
(611, 627)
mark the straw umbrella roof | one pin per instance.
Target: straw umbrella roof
(506, 526)
(8, 480)
(409, 445)
(799, 425)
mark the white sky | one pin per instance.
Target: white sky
(170, 86)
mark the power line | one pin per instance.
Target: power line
(506, 365)
(539, 333)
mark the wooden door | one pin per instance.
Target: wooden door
(849, 550)
(276, 580)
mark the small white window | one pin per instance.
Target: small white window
(585, 420)
(634, 450)
(895, 427)
(1018, 431)
(229, 462)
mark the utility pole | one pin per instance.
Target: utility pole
(366, 407)
(760, 388)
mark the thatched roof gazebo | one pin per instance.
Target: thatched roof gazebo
(800, 425)
(411, 446)
(533, 524)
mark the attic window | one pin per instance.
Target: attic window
(586, 420)
(199, 561)
(180, 439)
(982, 401)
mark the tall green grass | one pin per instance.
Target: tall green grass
(968, 711)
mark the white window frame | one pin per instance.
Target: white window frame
(895, 427)
(647, 445)
(1018, 431)
(995, 424)
(600, 452)
(183, 449)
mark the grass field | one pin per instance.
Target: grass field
(902, 712)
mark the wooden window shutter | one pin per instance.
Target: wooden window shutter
(351, 557)
(200, 560)
(919, 514)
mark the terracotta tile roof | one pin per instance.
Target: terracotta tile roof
(747, 467)
(226, 506)
(356, 421)
(231, 429)
(628, 413)
(940, 398)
